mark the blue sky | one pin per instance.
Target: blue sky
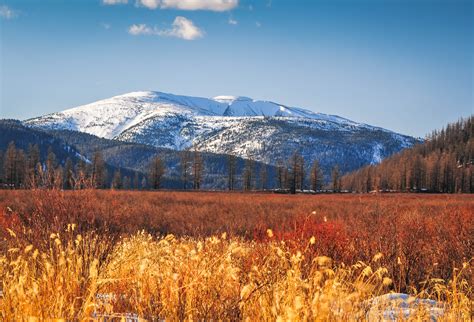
(403, 65)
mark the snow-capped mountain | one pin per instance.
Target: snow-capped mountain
(263, 130)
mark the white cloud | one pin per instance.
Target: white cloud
(213, 5)
(112, 2)
(258, 24)
(232, 21)
(140, 29)
(106, 26)
(181, 28)
(7, 13)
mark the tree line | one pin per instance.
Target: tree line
(443, 163)
(27, 170)
(21, 169)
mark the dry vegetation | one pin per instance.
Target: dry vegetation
(232, 256)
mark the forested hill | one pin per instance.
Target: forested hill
(443, 163)
(31, 157)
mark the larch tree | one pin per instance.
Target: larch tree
(316, 176)
(248, 175)
(156, 172)
(197, 169)
(335, 178)
(185, 160)
(263, 176)
(68, 174)
(10, 165)
(98, 171)
(231, 171)
(117, 180)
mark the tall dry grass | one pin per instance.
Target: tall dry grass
(203, 256)
(215, 278)
(428, 234)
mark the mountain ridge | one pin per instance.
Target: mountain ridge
(262, 130)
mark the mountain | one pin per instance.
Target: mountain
(262, 130)
(443, 163)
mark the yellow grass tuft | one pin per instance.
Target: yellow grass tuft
(82, 277)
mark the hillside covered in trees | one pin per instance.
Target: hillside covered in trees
(443, 163)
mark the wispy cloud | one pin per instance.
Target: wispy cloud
(258, 24)
(113, 2)
(232, 21)
(7, 13)
(106, 26)
(182, 28)
(213, 5)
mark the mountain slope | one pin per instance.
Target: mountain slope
(138, 157)
(443, 163)
(263, 130)
(24, 137)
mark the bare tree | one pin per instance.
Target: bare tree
(117, 180)
(335, 178)
(282, 174)
(263, 176)
(297, 172)
(231, 170)
(156, 172)
(248, 175)
(197, 169)
(185, 160)
(316, 176)
(98, 171)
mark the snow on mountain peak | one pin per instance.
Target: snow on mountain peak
(110, 117)
(265, 130)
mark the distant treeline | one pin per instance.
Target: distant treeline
(443, 163)
(26, 170)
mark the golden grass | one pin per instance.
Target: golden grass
(219, 278)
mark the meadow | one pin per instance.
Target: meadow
(81, 255)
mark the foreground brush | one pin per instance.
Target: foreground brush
(80, 277)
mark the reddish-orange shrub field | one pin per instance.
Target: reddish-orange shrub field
(419, 235)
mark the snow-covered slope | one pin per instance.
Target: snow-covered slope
(263, 130)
